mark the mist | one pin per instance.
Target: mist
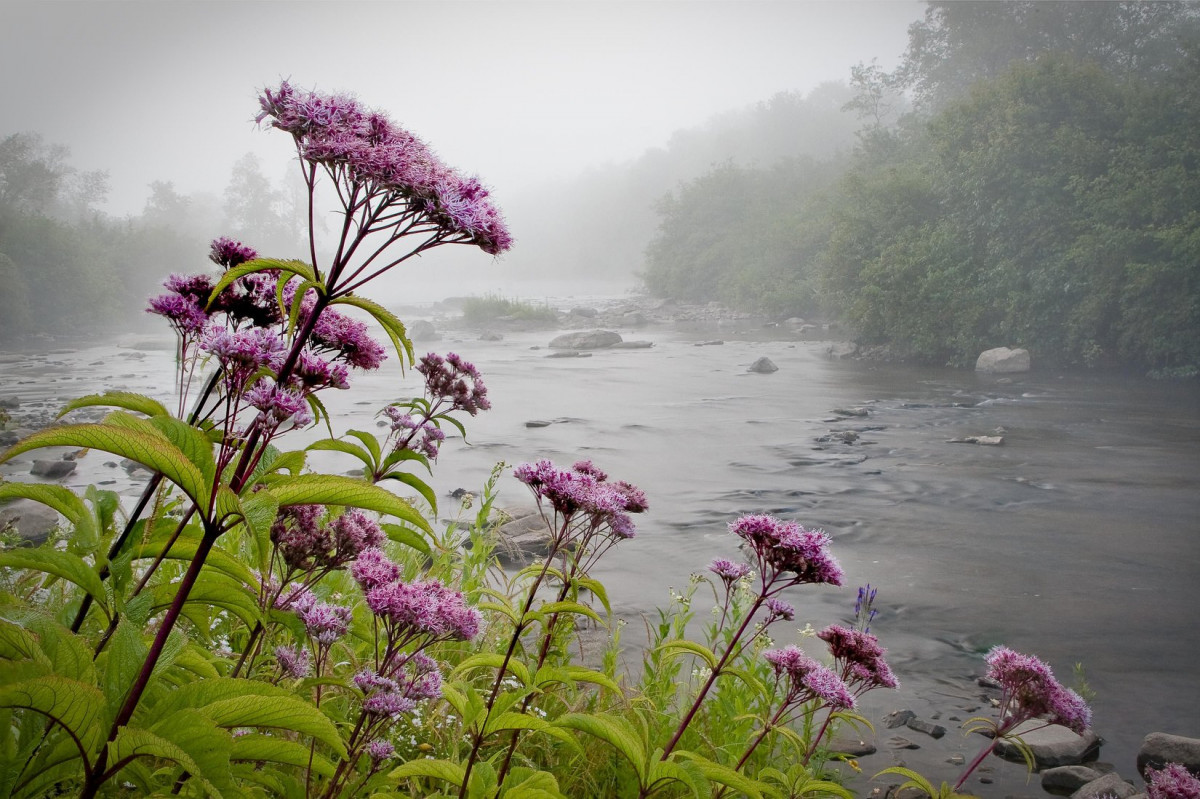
(560, 108)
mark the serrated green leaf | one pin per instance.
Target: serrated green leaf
(118, 399)
(254, 747)
(417, 484)
(577, 608)
(214, 589)
(613, 730)
(492, 660)
(724, 775)
(132, 743)
(123, 658)
(151, 450)
(390, 323)
(260, 510)
(191, 442)
(337, 445)
(325, 489)
(72, 704)
(65, 565)
(184, 548)
(683, 646)
(17, 643)
(408, 537)
(435, 769)
(370, 442)
(574, 674)
(665, 771)
(298, 268)
(513, 721)
(276, 712)
(205, 743)
(598, 590)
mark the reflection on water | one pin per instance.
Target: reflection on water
(1078, 539)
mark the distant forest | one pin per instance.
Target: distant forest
(1039, 187)
(1027, 176)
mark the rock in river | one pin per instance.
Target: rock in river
(763, 366)
(1002, 360)
(585, 340)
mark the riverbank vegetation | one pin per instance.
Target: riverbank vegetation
(1040, 192)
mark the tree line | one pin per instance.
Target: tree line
(68, 268)
(1039, 188)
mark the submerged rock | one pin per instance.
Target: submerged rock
(52, 470)
(1110, 785)
(763, 366)
(987, 441)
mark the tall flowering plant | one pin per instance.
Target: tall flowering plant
(259, 342)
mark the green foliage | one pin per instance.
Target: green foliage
(492, 308)
(1043, 196)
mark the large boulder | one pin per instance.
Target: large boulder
(1002, 360)
(1159, 749)
(33, 520)
(1051, 745)
(1108, 786)
(585, 340)
(52, 470)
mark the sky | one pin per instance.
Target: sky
(515, 92)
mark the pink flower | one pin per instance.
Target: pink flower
(1173, 781)
(1030, 691)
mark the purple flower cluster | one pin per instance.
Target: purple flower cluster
(183, 304)
(348, 339)
(421, 608)
(419, 435)
(325, 623)
(859, 659)
(1031, 691)
(305, 543)
(380, 750)
(277, 405)
(578, 491)
(780, 546)
(227, 253)
(454, 380)
(424, 608)
(728, 571)
(293, 661)
(416, 679)
(1172, 781)
(371, 153)
(807, 679)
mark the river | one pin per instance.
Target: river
(1078, 539)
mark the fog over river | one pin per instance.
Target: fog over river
(1078, 539)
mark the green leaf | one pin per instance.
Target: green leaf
(574, 674)
(598, 590)
(370, 442)
(570, 607)
(435, 769)
(325, 489)
(123, 658)
(337, 445)
(254, 747)
(17, 643)
(298, 268)
(132, 743)
(683, 646)
(408, 537)
(390, 323)
(74, 705)
(184, 548)
(153, 451)
(492, 660)
(191, 442)
(118, 399)
(66, 565)
(684, 772)
(216, 590)
(205, 743)
(417, 484)
(724, 775)
(483, 781)
(260, 510)
(277, 712)
(613, 730)
(915, 780)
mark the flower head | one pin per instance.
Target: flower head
(728, 571)
(373, 568)
(353, 532)
(367, 149)
(293, 661)
(1030, 690)
(455, 380)
(380, 750)
(325, 623)
(228, 253)
(1172, 781)
(781, 546)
